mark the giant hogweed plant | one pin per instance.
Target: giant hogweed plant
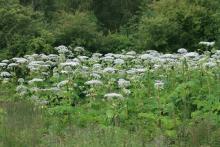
(152, 93)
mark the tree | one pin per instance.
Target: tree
(115, 13)
(174, 24)
(19, 26)
(79, 29)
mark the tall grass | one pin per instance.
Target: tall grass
(24, 125)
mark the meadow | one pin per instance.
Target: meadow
(78, 98)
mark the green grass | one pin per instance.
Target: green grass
(24, 125)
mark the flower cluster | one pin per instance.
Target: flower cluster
(110, 76)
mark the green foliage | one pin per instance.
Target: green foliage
(175, 24)
(114, 13)
(30, 26)
(157, 33)
(79, 29)
(115, 43)
(21, 30)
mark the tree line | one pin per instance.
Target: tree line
(29, 26)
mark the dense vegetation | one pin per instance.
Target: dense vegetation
(162, 99)
(29, 26)
(110, 73)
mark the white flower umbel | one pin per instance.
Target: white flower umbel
(109, 70)
(22, 90)
(5, 74)
(210, 64)
(94, 83)
(12, 65)
(95, 75)
(97, 67)
(191, 55)
(20, 60)
(5, 61)
(119, 61)
(131, 53)
(110, 96)
(20, 80)
(79, 49)
(72, 64)
(208, 44)
(146, 57)
(62, 49)
(122, 83)
(83, 58)
(182, 51)
(3, 64)
(108, 58)
(35, 80)
(62, 83)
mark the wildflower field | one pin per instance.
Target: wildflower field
(78, 98)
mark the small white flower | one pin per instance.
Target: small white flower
(95, 75)
(119, 61)
(5, 74)
(79, 49)
(5, 61)
(20, 80)
(13, 65)
(140, 70)
(96, 55)
(62, 49)
(131, 71)
(122, 83)
(210, 64)
(22, 90)
(64, 72)
(109, 70)
(94, 82)
(211, 44)
(72, 64)
(97, 67)
(35, 80)
(146, 57)
(3, 64)
(156, 66)
(62, 83)
(82, 58)
(54, 89)
(182, 51)
(108, 58)
(110, 96)
(191, 55)
(131, 53)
